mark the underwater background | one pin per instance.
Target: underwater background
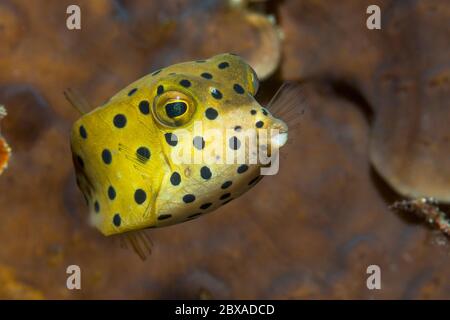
(375, 124)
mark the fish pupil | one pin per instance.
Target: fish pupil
(175, 109)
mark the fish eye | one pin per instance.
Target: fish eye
(254, 82)
(173, 108)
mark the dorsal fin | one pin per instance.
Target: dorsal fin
(77, 101)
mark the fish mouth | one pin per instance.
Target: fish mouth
(280, 137)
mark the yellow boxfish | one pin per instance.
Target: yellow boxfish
(124, 151)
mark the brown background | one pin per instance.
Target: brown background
(309, 232)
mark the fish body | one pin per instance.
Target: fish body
(125, 151)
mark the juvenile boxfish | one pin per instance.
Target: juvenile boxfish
(123, 150)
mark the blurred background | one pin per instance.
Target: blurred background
(375, 129)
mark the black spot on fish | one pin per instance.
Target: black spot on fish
(216, 94)
(111, 193)
(198, 142)
(234, 143)
(175, 179)
(242, 168)
(211, 113)
(140, 196)
(119, 121)
(205, 205)
(143, 154)
(226, 184)
(225, 196)
(96, 207)
(194, 215)
(205, 173)
(117, 220)
(144, 107)
(156, 72)
(171, 139)
(238, 88)
(132, 91)
(106, 156)
(223, 65)
(185, 83)
(83, 132)
(188, 198)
